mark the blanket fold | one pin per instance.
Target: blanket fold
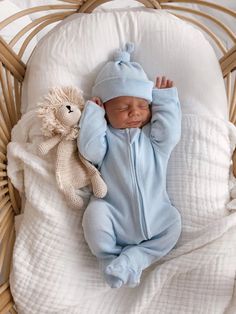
(53, 270)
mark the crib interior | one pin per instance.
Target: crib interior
(12, 71)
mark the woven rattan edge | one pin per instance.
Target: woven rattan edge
(6, 301)
(228, 61)
(228, 66)
(11, 61)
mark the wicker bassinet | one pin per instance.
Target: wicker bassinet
(12, 71)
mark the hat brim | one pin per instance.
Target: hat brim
(116, 87)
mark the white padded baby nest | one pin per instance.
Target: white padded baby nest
(75, 50)
(72, 54)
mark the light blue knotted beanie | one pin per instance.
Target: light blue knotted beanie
(121, 77)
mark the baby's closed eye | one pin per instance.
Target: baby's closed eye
(143, 106)
(122, 108)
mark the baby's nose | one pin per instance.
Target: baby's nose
(134, 112)
(68, 107)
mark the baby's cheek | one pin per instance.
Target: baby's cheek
(122, 120)
(148, 114)
(116, 120)
(147, 117)
(121, 116)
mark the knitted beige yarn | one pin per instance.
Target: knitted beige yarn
(60, 112)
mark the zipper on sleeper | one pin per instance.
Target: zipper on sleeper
(139, 199)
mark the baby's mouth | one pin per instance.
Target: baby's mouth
(134, 123)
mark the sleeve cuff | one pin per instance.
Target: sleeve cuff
(91, 108)
(159, 93)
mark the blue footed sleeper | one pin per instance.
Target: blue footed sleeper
(135, 224)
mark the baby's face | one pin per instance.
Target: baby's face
(127, 112)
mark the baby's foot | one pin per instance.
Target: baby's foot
(121, 268)
(112, 281)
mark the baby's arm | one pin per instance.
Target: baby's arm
(166, 116)
(92, 142)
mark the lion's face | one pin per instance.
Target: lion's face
(60, 112)
(68, 114)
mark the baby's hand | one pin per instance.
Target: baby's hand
(162, 82)
(98, 101)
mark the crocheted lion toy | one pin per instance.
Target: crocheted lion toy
(60, 112)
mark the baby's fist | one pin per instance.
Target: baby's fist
(162, 82)
(97, 101)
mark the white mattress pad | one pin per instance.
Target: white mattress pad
(74, 52)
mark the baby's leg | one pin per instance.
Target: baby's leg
(100, 236)
(133, 259)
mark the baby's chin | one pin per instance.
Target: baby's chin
(130, 125)
(137, 124)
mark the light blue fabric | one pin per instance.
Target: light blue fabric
(121, 77)
(135, 224)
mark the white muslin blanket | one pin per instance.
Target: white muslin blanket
(53, 270)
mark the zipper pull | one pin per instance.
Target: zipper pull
(128, 134)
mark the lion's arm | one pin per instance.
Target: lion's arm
(45, 147)
(92, 142)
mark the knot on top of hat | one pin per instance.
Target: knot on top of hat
(124, 55)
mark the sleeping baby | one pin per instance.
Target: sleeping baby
(128, 130)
